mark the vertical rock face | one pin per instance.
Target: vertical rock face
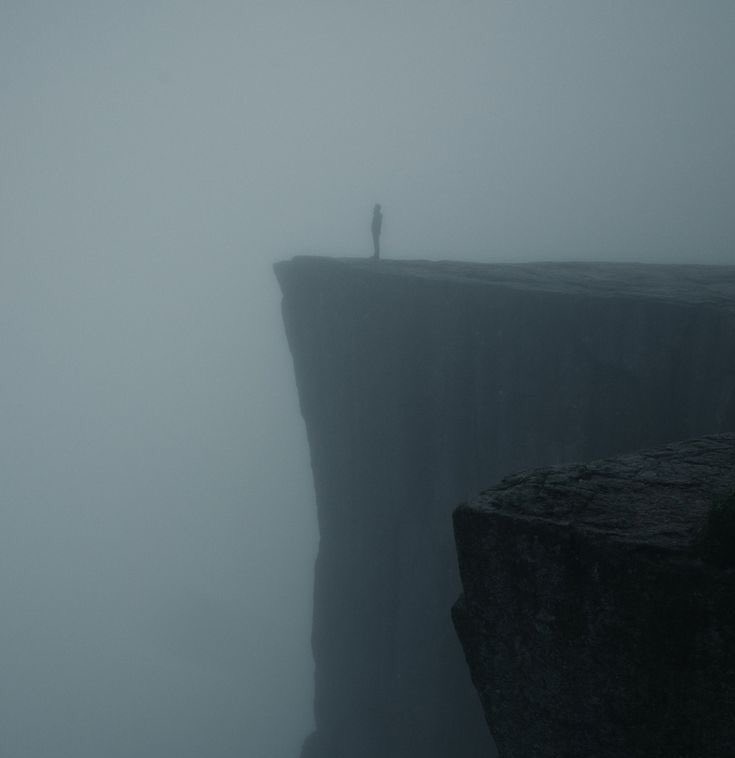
(591, 623)
(420, 384)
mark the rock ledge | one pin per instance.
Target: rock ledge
(590, 625)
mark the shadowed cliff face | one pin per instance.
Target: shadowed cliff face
(591, 623)
(421, 383)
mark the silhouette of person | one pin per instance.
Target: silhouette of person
(375, 228)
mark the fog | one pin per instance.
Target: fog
(157, 525)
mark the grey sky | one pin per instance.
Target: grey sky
(157, 529)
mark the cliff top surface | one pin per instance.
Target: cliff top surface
(683, 283)
(657, 497)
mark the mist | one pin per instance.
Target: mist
(157, 523)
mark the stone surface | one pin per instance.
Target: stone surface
(590, 623)
(421, 383)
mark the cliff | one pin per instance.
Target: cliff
(593, 618)
(421, 383)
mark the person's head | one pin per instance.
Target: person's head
(376, 209)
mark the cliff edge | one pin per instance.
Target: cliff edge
(594, 620)
(420, 384)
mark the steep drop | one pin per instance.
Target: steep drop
(421, 383)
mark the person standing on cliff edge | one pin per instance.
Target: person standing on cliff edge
(375, 228)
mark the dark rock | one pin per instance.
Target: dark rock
(591, 625)
(421, 383)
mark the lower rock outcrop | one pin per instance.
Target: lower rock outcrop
(592, 619)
